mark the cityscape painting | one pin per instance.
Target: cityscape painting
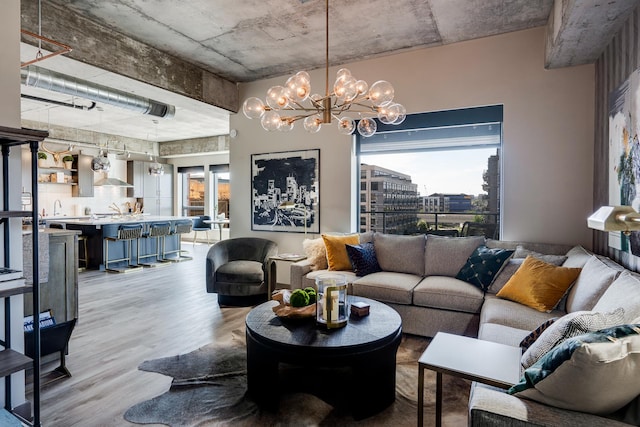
(285, 191)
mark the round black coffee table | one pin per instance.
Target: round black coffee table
(354, 366)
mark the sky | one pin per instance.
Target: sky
(456, 171)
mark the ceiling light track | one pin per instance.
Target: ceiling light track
(61, 103)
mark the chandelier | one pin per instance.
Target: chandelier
(287, 104)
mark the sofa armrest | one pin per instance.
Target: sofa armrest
(297, 272)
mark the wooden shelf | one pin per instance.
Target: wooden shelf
(11, 362)
(15, 214)
(57, 183)
(55, 169)
(4, 293)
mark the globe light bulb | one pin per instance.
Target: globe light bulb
(253, 108)
(343, 72)
(346, 125)
(367, 127)
(286, 126)
(271, 121)
(402, 114)
(277, 97)
(361, 87)
(313, 123)
(381, 93)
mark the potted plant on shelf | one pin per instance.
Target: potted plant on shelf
(68, 161)
(42, 159)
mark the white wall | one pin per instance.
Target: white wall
(10, 117)
(548, 133)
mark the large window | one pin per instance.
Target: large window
(195, 188)
(433, 173)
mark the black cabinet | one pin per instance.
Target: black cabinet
(12, 361)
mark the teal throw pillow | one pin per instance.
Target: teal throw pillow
(483, 265)
(596, 372)
(363, 258)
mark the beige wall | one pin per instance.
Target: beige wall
(548, 133)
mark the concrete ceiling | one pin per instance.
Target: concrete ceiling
(240, 41)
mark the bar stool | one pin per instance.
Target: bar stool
(181, 226)
(158, 231)
(127, 233)
(85, 257)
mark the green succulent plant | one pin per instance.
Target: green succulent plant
(42, 155)
(67, 159)
(299, 298)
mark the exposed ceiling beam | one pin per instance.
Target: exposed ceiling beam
(579, 30)
(109, 50)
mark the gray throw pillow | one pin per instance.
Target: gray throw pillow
(569, 325)
(521, 252)
(445, 256)
(594, 279)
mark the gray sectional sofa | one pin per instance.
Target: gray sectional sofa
(418, 280)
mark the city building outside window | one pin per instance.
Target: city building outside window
(439, 171)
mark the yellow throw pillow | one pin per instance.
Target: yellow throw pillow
(538, 284)
(337, 252)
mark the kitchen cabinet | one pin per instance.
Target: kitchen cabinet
(156, 191)
(84, 176)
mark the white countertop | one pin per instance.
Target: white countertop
(112, 219)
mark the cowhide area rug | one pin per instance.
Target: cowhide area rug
(209, 387)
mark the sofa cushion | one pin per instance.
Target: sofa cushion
(501, 334)
(570, 325)
(594, 373)
(538, 284)
(401, 254)
(594, 279)
(316, 253)
(363, 259)
(483, 265)
(577, 257)
(623, 292)
(521, 252)
(448, 293)
(386, 286)
(445, 256)
(513, 314)
(337, 257)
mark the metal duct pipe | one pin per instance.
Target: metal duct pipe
(57, 82)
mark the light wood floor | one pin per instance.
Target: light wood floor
(125, 319)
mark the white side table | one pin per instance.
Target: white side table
(272, 281)
(470, 358)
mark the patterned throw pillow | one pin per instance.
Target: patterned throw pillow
(483, 265)
(363, 259)
(569, 325)
(595, 372)
(535, 334)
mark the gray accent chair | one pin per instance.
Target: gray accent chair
(237, 270)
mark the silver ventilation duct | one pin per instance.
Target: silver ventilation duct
(57, 82)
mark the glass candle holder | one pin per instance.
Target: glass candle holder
(331, 304)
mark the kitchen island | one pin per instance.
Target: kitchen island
(97, 228)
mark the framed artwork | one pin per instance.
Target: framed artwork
(285, 189)
(624, 156)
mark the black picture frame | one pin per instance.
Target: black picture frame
(285, 191)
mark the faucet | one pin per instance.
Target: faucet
(55, 212)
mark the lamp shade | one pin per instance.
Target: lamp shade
(615, 218)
